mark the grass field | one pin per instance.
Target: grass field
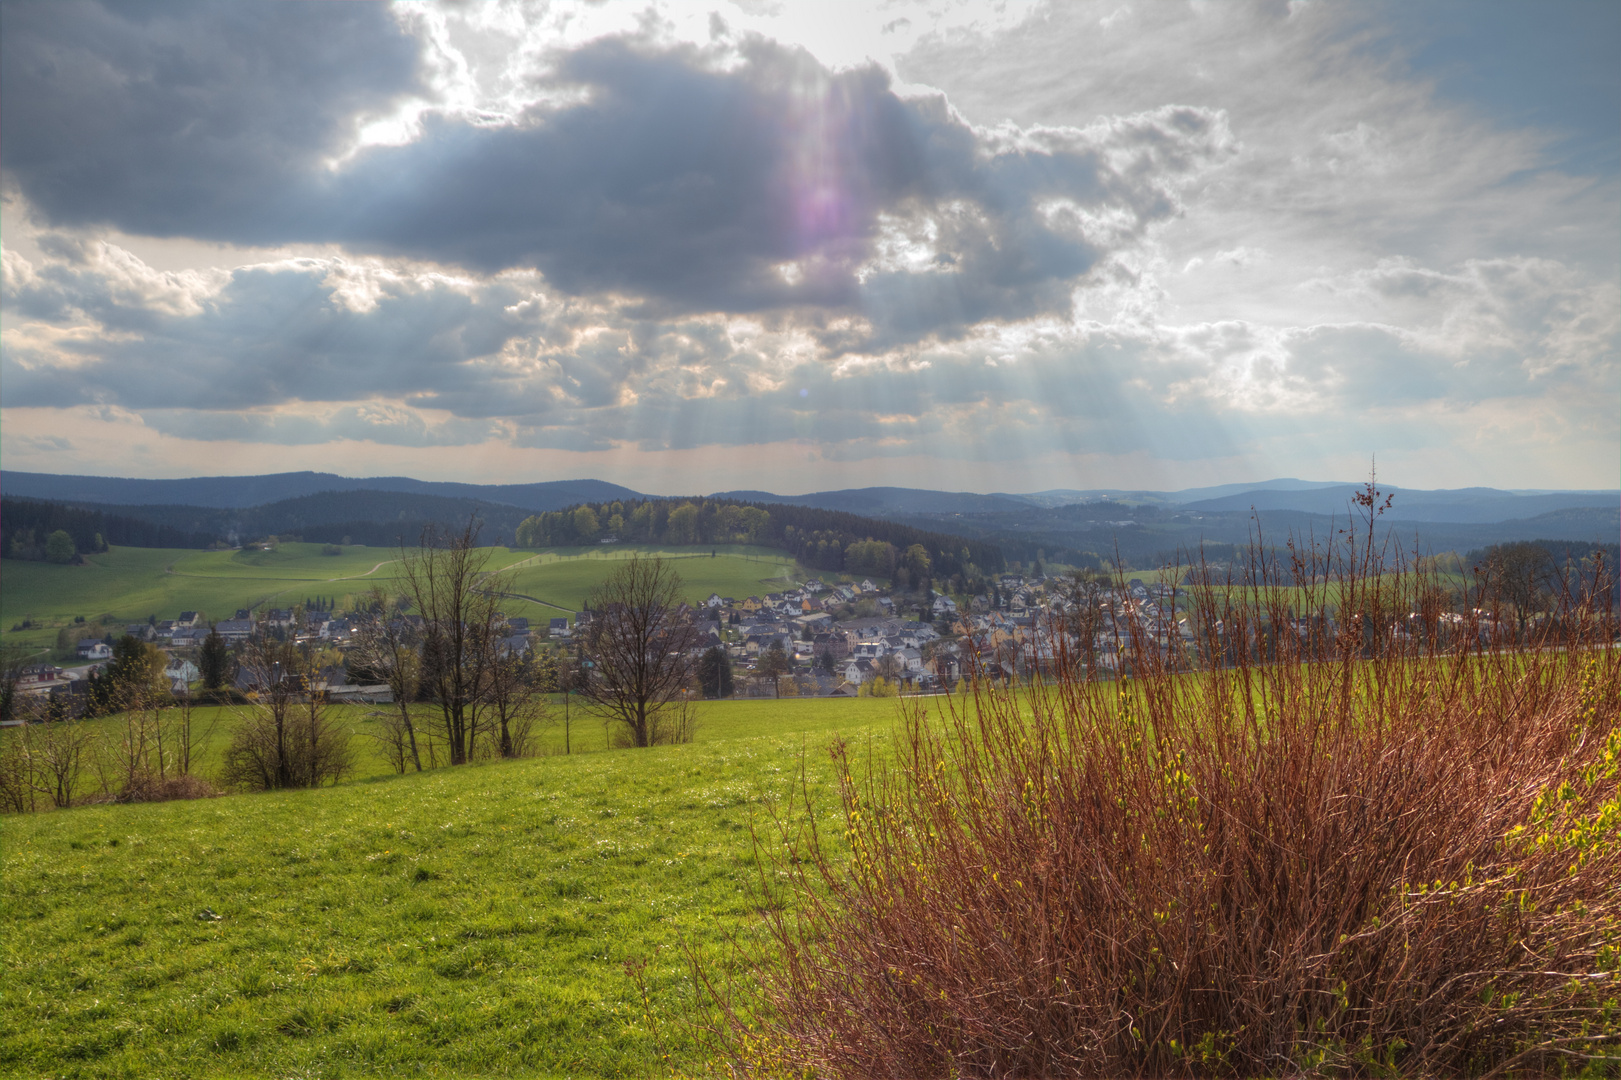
(127, 585)
(716, 721)
(458, 922)
(563, 577)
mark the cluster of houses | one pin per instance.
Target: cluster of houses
(806, 634)
(920, 649)
(825, 655)
(189, 630)
(180, 637)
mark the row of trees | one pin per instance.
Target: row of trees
(443, 640)
(1530, 579)
(58, 547)
(654, 521)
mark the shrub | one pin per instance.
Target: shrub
(286, 747)
(1296, 846)
(286, 738)
(879, 687)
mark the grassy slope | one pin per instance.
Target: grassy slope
(456, 922)
(565, 576)
(128, 584)
(717, 721)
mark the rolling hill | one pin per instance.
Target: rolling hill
(1067, 525)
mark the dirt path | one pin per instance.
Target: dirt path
(537, 600)
(170, 570)
(368, 573)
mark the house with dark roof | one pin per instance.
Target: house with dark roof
(93, 649)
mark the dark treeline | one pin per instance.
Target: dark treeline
(26, 523)
(372, 518)
(821, 539)
(1563, 553)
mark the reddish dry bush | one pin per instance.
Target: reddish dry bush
(1331, 845)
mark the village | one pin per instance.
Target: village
(816, 639)
(848, 639)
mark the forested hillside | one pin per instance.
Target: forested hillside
(26, 523)
(821, 539)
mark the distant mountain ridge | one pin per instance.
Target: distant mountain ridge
(1071, 527)
(243, 492)
(1461, 506)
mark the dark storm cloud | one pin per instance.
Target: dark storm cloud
(768, 184)
(189, 119)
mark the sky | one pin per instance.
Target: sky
(953, 244)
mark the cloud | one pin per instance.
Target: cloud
(1200, 233)
(48, 444)
(378, 423)
(189, 118)
(301, 351)
(714, 179)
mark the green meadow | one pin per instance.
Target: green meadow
(475, 921)
(561, 578)
(565, 726)
(127, 585)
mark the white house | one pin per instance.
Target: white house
(182, 671)
(856, 672)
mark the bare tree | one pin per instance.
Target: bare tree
(18, 788)
(387, 648)
(1521, 576)
(12, 660)
(515, 703)
(890, 666)
(1082, 605)
(773, 664)
(60, 750)
(456, 598)
(184, 734)
(285, 738)
(640, 641)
